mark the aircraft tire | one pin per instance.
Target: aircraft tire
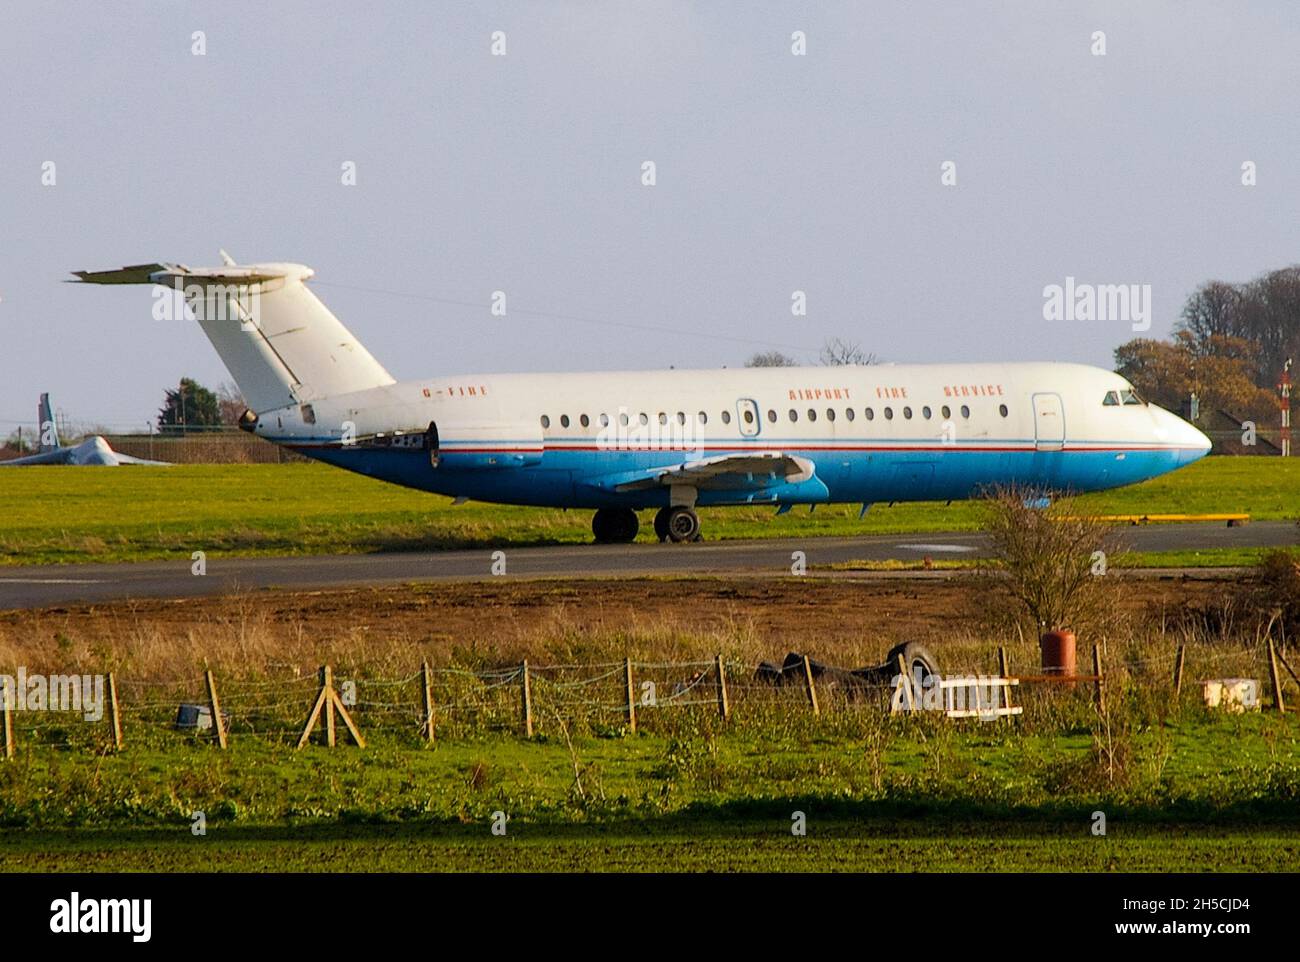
(615, 525)
(683, 524)
(915, 655)
(661, 524)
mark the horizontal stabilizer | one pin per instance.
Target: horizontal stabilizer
(279, 342)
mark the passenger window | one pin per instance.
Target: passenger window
(830, 414)
(663, 417)
(812, 415)
(946, 412)
(645, 418)
(622, 418)
(681, 417)
(703, 417)
(794, 415)
(871, 415)
(965, 411)
(726, 417)
(748, 416)
(771, 415)
(546, 421)
(564, 420)
(907, 413)
(926, 412)
(889, 414)
(849, 413)
(584, 421)
(1002, 409)
(604, 420)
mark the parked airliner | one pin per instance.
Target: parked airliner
(672, 440)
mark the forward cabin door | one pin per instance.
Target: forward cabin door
(1049, 422)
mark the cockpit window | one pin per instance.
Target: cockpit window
(1112, 399)
(1131, 397)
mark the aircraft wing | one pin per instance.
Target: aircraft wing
(752, 470)
(57, 456)
(144, 462)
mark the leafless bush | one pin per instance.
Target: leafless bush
(1049, 568)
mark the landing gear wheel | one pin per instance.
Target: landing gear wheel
(661, 524)
(615, 525)
(682, 524)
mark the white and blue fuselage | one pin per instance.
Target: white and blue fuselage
(878, 433)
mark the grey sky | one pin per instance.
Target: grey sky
(521, 173)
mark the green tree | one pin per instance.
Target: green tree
(190, 405)
(1221, 369)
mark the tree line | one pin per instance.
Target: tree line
(1229, 347)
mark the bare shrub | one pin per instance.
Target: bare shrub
(1049, 568)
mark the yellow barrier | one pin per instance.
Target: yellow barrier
(1232, 519)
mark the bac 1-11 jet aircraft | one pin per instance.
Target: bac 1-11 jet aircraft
(672, 440)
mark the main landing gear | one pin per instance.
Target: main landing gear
(619, 525)
(677, 523)
(615, 525)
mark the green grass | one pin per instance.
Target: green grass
(847, 845)
(1197, 793)
(58, 514)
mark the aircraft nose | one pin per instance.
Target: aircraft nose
(1192, 444)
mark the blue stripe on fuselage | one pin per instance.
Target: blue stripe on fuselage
(571, 478)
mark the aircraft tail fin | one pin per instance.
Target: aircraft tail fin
(47, 433)
(279, 342)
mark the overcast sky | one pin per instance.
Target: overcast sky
(523, 173)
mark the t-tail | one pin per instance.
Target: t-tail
(47, 434)
(279, 342)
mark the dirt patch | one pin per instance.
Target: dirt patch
(848, 620)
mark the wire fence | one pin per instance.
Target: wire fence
(430, 703)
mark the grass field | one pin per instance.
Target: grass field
(1199, 795)
(1182, 789)
(59, 514)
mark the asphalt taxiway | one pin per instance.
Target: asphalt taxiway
(53, 585)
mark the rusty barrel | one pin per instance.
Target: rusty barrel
(1057, 648)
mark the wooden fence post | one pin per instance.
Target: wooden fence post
(812, 688)
(328, 699)
(426, 692)
(1096, 670)
(1278, 701)
(327, 684)
(905, 680)
(1287, 665)
(1179, 661)
(527, 700)
(214, 706)
(7, 710)
(724, 706)
(115, 715)
(631, 696)
(1004, 672)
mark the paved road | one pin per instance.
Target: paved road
(50, 585)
